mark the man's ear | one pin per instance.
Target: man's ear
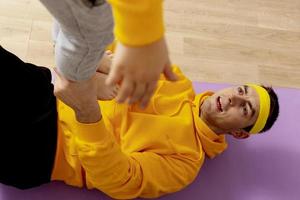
(240, 134)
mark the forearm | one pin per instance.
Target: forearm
(90, 114)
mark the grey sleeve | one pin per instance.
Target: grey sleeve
(84, 32)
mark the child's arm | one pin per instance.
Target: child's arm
(141, 54)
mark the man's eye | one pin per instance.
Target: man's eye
(245, 111)
(240, 91)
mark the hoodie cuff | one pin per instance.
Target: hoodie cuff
(91, 133)
(139, 22)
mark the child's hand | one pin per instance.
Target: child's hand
(137, 69)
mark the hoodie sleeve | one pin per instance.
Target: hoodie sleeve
(138, 22)
(127, 176)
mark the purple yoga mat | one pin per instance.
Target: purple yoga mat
(263, 167)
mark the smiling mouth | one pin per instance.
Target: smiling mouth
(219, 105)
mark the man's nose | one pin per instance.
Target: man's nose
(235, 100)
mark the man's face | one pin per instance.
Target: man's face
(231, 108)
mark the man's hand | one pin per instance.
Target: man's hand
(137, 70)
(80, 96)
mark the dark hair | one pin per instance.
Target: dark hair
(274, 111)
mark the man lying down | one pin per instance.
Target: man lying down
(129, 152)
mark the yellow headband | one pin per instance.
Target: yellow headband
(264, 108)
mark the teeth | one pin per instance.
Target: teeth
(219, 104)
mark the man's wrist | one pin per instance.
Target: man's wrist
(91, 114)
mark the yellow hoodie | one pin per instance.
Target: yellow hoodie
(138, 22)
(138, 153)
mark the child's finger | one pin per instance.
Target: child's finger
(126, 89)
(113, 78)
(169, 74)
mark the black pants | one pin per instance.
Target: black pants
(28, 134)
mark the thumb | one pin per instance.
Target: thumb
(169, 74)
